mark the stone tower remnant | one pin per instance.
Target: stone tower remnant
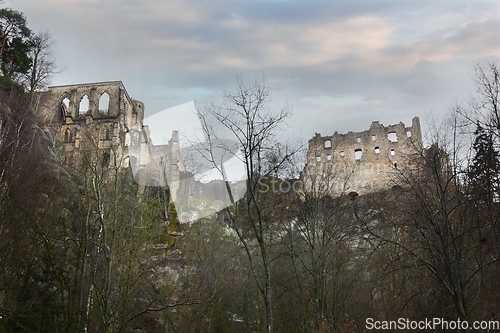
(361, 162)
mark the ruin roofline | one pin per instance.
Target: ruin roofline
(375, 125)
(99, 83)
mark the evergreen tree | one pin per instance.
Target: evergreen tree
(485, 167)
(15, 45)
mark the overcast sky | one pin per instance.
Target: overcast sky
(339, 64)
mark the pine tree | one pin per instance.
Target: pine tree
(485, 167)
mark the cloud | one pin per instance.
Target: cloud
(399, 58)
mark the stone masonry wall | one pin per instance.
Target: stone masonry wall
(108, 126)
(101, 121)
(361, 162)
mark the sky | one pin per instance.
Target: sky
(339, 65)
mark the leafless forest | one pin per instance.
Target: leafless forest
(88, 250)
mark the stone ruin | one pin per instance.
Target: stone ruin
(361, 162)
(103, 117)
(102, 120)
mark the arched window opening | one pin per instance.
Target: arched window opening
(358, 153)
(377, 150)
(67, 135)
(392, 137)
(64, 107)
(353, 195)
(393, 152)
(374, 137)
(104, 102)
(328, 144)
(84, 105)
(65, 102)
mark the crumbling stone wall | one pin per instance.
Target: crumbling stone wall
(120, 105)
(104, 122)
(361, 162)
(109, 128)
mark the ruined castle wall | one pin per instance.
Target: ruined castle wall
(361, 162)
(109, 127)
(102, 121)
(53, 109)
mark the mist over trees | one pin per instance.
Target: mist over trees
(85, 249)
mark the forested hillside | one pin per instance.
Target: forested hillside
(87, 250)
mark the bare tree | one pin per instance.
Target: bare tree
(43, 65)
(246, 114)
(319, 247)
(482, 115)
(486, 108)
(432, 223)
(33, 212)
